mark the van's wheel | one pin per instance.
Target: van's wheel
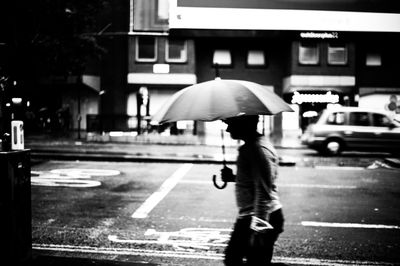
(333, 147)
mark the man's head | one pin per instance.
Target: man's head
(242, 127)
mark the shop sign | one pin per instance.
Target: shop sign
(319, 35)
(328, 97)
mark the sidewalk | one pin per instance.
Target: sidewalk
(174, 149)
(141, 148)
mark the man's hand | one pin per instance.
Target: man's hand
(260, 229)
(259, 225)
(227, 174)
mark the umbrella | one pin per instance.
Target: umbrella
(220, 99)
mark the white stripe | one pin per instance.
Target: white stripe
(127, 251)
(114, 238)
(349, 225)
(165, 188)
(317, 186)
(346, 168)
(202, 182)
(194, 255)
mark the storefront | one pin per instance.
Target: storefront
(312, 94)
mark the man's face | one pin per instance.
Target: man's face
(241, 127)
(237, 128)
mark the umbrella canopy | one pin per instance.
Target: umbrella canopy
(220, 99)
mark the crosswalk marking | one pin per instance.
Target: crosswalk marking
(165, 188)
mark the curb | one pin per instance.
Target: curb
(195, 158)
(40, 155)
(47, 260)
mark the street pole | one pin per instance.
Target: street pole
(79, 106)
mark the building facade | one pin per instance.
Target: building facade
(311, 53)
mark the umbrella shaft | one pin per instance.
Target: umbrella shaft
(223, 148)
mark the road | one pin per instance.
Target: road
(170, 212)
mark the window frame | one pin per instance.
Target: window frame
(174, 60)
(368, 54)
(219, 64)
(346, 51)
(144, 60)
(264, 65)
(159, 11)
(318, 56)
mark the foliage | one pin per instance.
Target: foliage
(50, 37)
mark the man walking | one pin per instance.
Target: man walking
(260, 219)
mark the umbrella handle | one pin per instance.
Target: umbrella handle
(218, 186)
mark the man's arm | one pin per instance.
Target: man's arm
(263, 184)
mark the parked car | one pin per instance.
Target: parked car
(353, 129)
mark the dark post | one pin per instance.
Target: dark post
(15, 207)
(79, 105)
(217, 75)
(138, 113)
(5, 116)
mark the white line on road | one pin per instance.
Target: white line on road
(346, 168)
(195, 255)
(317, 186)
(178, 243)
(165, 188)
(349, 225)
(202, 182)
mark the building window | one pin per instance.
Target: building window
(162, 10)
(256, 58)
(146, 49)
(308, 53)
(176, 51)
(222, 58)
(337, 54)
(373, 59)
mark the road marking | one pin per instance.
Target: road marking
(202, 182)
(71, 177)
(87, 172)
(346, 168)
(349, 225)
(54, 179)
(64, 182)
(198, 238)
(196, 255)
(317, 186)
(165, 188)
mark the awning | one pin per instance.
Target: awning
(309, 83)
(92, 82)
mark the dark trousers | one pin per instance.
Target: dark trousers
(239, 250)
